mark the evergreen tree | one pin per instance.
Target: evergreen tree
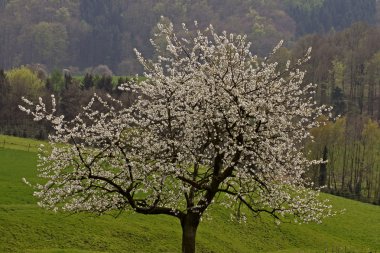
(68, 80)
(3, 88)
(88, 81)
(105, 83)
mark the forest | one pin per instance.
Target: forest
(73, 48)
(80, 34)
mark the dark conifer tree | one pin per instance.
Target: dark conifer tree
(88, 81)
(49, 85)
(68, 79)
(3, 88)
(2, 79)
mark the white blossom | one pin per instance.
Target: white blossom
(211, 118)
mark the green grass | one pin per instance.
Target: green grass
(24, 227)
(17, 143)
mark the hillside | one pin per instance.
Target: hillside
(24, 227)
(87, 33)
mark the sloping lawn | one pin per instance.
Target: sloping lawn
(24, 227)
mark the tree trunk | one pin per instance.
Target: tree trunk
(323, 169)
(189, 225)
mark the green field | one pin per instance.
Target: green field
(24, 227)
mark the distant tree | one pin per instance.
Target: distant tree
(48, 85)
(57, 80)
(3, 3)
(305, 5)
(20, 82)
(102, 70)
(350, 144)
(339, 105)
(213, 125)
(323, 169)
(2, 78)
(23, 82)
(102, 44)
(120, 81)
(373, 80)
(46, 43)
(72, 98)
(68, 80)
(39, 69)
(323, 15)
(105, 83)
(88, 81)
(3, 88)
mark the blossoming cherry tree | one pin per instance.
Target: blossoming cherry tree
(212, 125)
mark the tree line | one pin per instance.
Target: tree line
(87, 33)
(325, 15)
(346, 67)
(71, 92)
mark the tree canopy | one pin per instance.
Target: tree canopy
(212, 125)
(87, 33)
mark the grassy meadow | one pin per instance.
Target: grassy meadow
(24, 227)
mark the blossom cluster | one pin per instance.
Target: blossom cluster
(212, 123)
